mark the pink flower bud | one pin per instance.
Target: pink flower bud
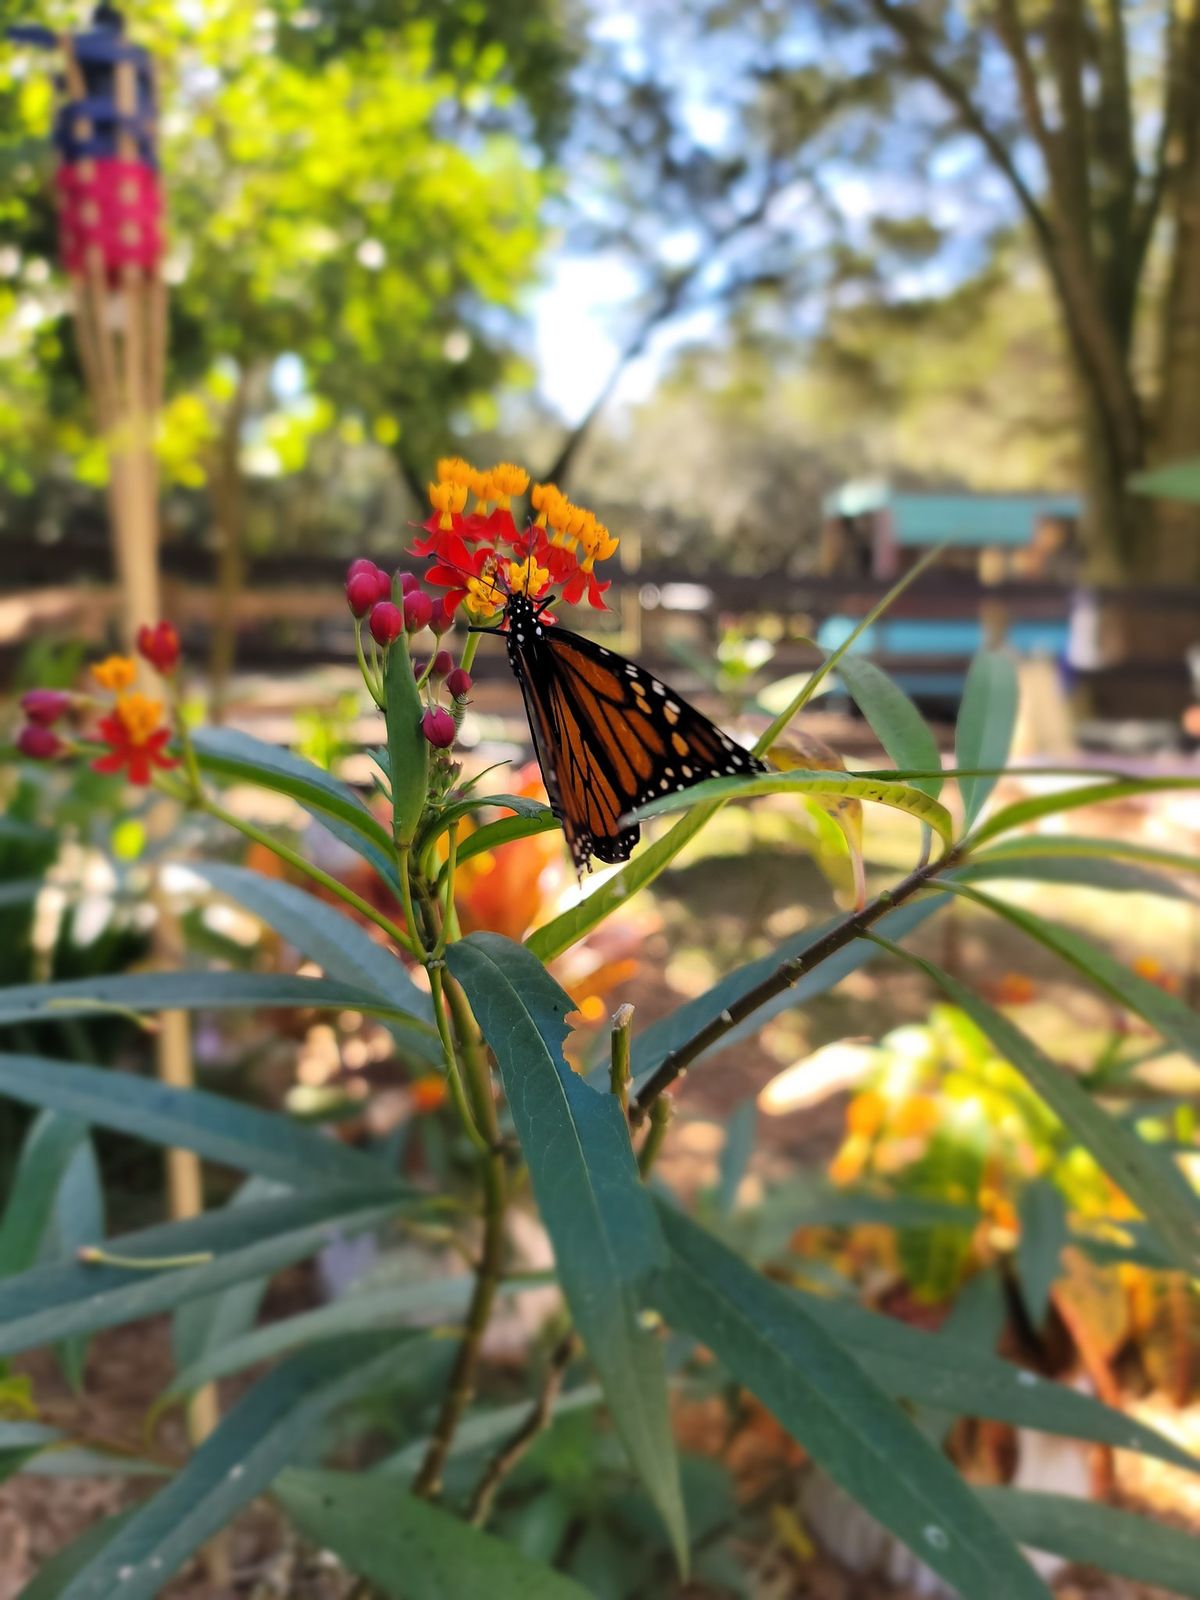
(418, 609)
(387, 622)
(408, 581)
(43, 744)
(362, 591)
(439, 727)
(442, 620)
(45, 706)
(443, 663)
(459, 683)
(361, 565)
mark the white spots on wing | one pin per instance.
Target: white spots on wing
(665, 784)
(657, 687)
(687, 771)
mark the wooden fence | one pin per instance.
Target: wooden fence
(291, 614)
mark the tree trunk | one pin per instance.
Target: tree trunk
(1175, 553)
(1114, 522)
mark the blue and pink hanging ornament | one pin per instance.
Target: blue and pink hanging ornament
(111, 240)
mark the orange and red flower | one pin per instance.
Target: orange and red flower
(135, 736)
(481, 556)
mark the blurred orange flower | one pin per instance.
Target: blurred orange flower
(1014, 989)
(1154, 972)
(509, 889)
(865, 1113)
(427, 1094)
(916, 1116)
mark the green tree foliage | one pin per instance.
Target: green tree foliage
(353, 213)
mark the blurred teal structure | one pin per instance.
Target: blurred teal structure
(991, 542)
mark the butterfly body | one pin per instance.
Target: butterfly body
(609, 736)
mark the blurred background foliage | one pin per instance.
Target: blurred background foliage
(946, 243)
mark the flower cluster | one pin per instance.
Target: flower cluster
(482, 555)
(131, 729)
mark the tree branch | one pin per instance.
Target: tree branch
(1098, 357)
(667, 304)
(785, 976)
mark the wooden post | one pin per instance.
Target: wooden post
(121, 330)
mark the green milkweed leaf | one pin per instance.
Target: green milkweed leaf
(585, 1179)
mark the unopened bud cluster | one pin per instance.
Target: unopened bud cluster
(396, 605)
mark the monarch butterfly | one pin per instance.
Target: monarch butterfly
(609, 736)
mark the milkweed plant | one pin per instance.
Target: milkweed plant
(655, 1298)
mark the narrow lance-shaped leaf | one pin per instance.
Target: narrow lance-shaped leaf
(230, 753)
(1148, 1175)
(585, 1179)
(138, 993)
(409, 1549)
(894, 719)
(425, 1301)
(253, 1443)
(820, 1393)
(1084, 872)
(897, 795)
(1099, 1536)
(45, 1156)
(328, 936)
(986, 719)
(1022, 812)
(264, 1142)
(1030, 846)
(1173, 1019)
(493, 834)
(956, 1378)
(48, 1303)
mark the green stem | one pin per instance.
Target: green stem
(404, 866)
(784, 977)
(448, 904)
(373, 686)
(469, 649)
(191, 764)
(491, 1262)
(316, 874)
(660, 1117)
(620, 1070)
(453, 1076)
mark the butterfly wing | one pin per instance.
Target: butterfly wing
(609, 735)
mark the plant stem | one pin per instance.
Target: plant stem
(660, 1117)
(448, 905)
(369, 678)
(453, 1076)
(403, 864)
(469, 649)
(316, 874)
(538, 1419)
(787, 974)
(619, 1070)
(491, 1262)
